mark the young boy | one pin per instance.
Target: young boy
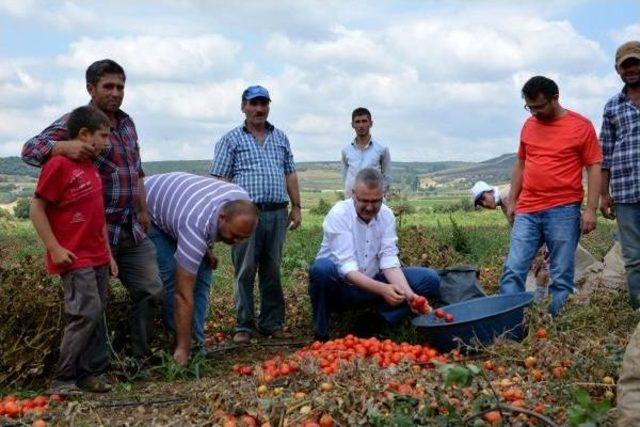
(67, 211)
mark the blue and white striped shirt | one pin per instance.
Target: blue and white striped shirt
(620, 141)
(258, 168)
(186, 207)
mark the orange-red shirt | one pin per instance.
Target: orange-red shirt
(75, 212)
(554, 154)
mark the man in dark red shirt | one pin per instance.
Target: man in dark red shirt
(124, 199)
(555, 145)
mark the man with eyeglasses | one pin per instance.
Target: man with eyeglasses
(358, 266)
(546, 190)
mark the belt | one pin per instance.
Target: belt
(271, 206)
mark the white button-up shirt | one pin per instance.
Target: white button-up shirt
(352, 244)
(354, 159)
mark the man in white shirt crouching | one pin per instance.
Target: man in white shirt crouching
(358, 266)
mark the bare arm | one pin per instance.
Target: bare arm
(516, 188)
(183, 314)
(141, 206)
(395, 277)
(295, 216)
(74, 149)
(387, 291)
(38, 215)
(608, 137)
(594, 187)
(606, 201)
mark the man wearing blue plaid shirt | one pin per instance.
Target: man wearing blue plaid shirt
(257, 157)
(620, 140)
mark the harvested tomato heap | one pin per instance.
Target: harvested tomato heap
(11, 407)
(332, 354)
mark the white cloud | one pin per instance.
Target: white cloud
(188, 101)
(17, 7)
(152, 57)
(443, 80)
(630, 32)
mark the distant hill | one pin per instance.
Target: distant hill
(15, 166)
(494, 171)
(317, 176)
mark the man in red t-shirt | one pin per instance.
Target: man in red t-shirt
(68, 214)
(555, 145)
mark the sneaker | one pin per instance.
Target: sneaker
(64, 388)
(242, 337)
(95, 384)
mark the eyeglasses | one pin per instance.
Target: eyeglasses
(535, 108)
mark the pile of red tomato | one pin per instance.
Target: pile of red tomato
(332, 354)
(11, 407)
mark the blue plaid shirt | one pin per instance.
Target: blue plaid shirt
(260, 169)
(620, 140)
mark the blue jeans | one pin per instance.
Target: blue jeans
(330, 292)
(628, 215)
(559, 228)
(166, 248)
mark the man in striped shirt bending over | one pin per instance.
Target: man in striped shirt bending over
(188, 213)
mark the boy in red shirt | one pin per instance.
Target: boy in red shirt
(68, 214)
(555, 145)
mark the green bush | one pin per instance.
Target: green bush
(322, 208)
(5, 214)
(462, 205)
(21, 210)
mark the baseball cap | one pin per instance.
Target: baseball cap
(627, 50)
(253, 92)
(478, 189)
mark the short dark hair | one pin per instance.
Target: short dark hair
(540, 85)
(370, 177)
(360, 111)
(102, 67)
(86, 117)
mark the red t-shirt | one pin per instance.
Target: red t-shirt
(554, 154)
(75, 212)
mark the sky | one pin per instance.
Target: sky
(441, 78)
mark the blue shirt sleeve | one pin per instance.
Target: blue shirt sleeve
(223, 158)
(607, 139)
(289, 165)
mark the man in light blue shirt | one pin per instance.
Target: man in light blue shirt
(363, 152)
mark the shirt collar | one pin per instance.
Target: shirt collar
(268, 126)
(369, 144)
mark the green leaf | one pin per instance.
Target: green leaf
(474, 369)
(458, 375)
(583, 398)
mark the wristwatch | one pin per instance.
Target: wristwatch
(296, 205)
